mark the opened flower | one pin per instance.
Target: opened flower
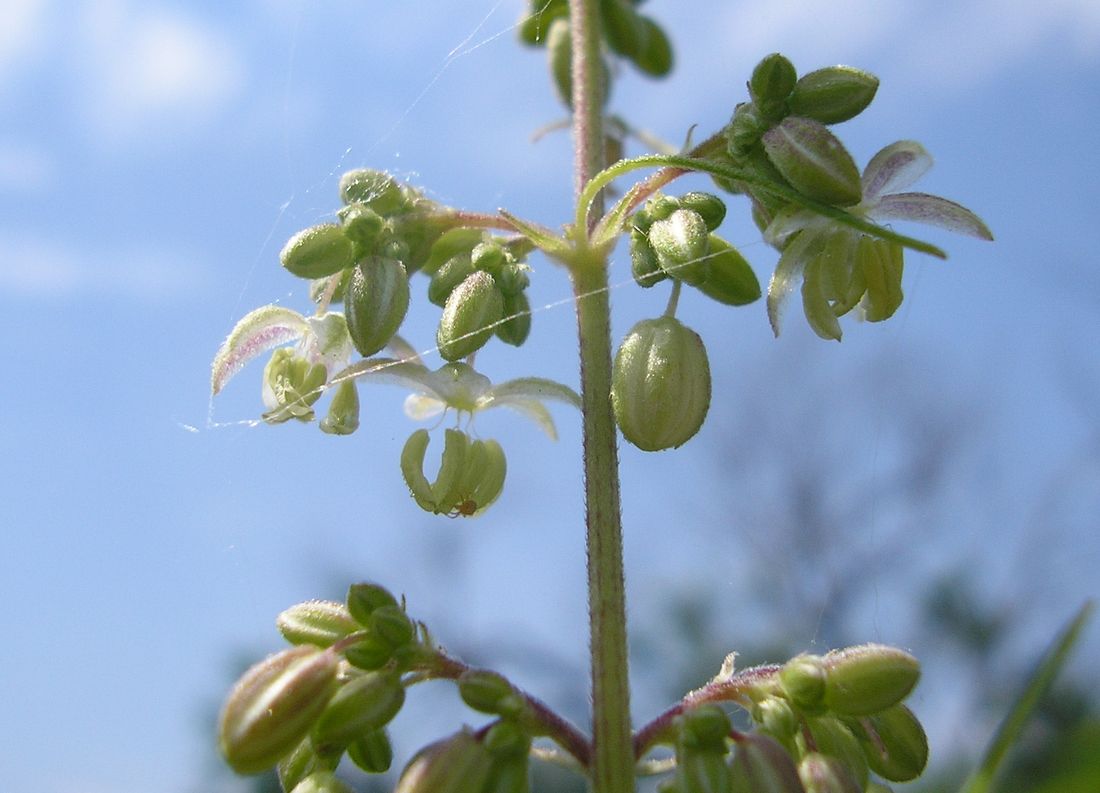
(841, 267)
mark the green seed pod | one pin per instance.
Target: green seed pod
(469, 316)
(363, 226)
(762, 765)
(814, 161)
(364, 598)
(831, 737)
(821, 774)
(372, 752)
(775, 717)
(376, 189)
(868, 678)
(369, 653)
(655, 56)
(881, 264)
(459, 764)
(745, 129)
(513, 278)
(710, 207)
(803, 682)
(318, 251)
(773, 79)
(706, 726)
(517, 319)
(318, 622)
(321, 782)
(302, 762)
(660, 385)
(291, 386)
(833, 94)
(449, 275)
(343, 411)
(376, 303)
(364, 704)
(731, 280)
(483, 690)
(488, 257)
(893, 742)
(392, 625)
(643, 261)
(274, 705)
(681, 242)
(622, 28)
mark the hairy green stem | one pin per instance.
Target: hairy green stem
(612, 767)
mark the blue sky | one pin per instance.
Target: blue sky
(154, 157)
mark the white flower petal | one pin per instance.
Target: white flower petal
(538, 388)
(788, 273)
(256, 333)
(894, 168)
(421, 408)
(933, 210)
(788, 221)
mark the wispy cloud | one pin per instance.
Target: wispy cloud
(37, 267)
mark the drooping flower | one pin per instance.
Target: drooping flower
(841, 267)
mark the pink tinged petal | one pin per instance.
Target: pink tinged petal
(933, 210)
(257, 332)
(788, 273)
(894, 168)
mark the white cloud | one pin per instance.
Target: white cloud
(143, 70)
(36, 267)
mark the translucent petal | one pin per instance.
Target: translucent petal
(933, 210)
(532, 409)
(421, 408)
(413, 376)
(538, 388)
(788, 221)
(894, 168)
(256, 333)
(788, 274)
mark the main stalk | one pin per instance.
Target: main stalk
(612, 769)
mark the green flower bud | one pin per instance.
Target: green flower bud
(392, 625)
(506, 740)
(483, 690)
(821, 774)
(894, 743)
(773, 79)
(318, 622)
(745, 129)
(291, 385)
(364, 704)
(372, 752)
(762, 765)
(517, 319)
(775, 717)
(369, 653)
(831, 737)
(681, 242)
(274, 705)
(659, 207)
(376, 189)
(469, 316)
(655, 56)
(318, 251)
(513, 278)
(449, 275)
(833, 94)
(643, 261)
(706, 726)
(710, 207)
(376, 303)
(803, 681)
(321, 782)
(731, 279)
(364, 598)
(814, 161)
(488, 257)
(868, 678)
(394, 248)
(881, 264)
(660, 385)
(459, 764)
(362, 225)
(343, 411)
(302, 762)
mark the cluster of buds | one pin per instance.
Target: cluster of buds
(823, 725)
(781, 137)
(332, 694)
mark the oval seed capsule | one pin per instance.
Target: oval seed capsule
(376, 302)
(318, 251)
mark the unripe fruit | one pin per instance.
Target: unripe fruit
(376, 302)
(660, 385)
(472, 310)
(869, 678)
(318, 622)
(318, 251)
(833, 94)
(274, 705)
